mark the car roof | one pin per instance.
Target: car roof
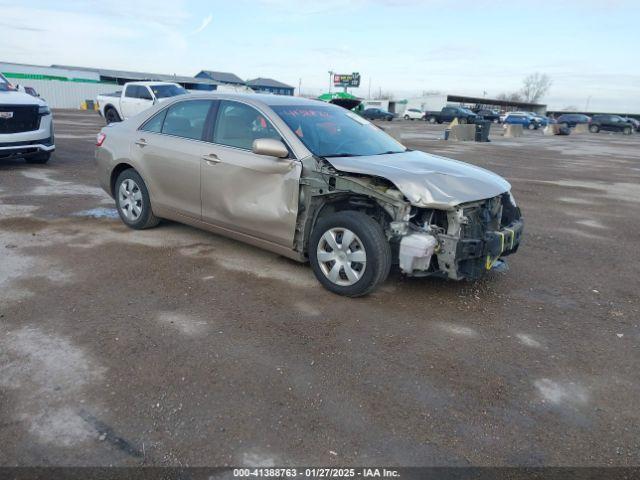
(262, 99)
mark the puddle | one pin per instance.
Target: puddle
(100, 212)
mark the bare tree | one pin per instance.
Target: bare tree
(510, 97)
(535, 87)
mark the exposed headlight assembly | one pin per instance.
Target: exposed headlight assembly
(44, 110)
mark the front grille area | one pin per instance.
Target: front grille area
(24, 118)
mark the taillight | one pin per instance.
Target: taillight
(100, 138)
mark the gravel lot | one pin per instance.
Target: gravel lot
(177, 347)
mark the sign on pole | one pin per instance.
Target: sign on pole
(346, 79)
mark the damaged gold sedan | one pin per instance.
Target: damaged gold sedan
(310, 181)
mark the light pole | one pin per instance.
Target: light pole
(330, 79)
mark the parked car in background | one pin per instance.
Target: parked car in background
(503, 115)
(610, 123)
(310, 181)
(26, 125)
(634, 123)
(377, 114)
(573, 119)
(541, 120)
(447, 114)
(413, 114)
(134, 98)
(521, 118)
(490, 115)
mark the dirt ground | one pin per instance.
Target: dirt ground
(177, 347)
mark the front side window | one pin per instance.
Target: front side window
(187, 119)
(238, 125)
(331, 131)
(165, 91)
(144, 94)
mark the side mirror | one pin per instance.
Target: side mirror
(270, 147)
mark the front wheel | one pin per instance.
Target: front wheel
(463, 121)
(133, 202)
(406, 117)
(39, 158)
(594, 129)
(349, 253)
(431, 119)
(627, 131)
(531, 126)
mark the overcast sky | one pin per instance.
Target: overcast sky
(589, 48)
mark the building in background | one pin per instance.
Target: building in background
(225, 78)
(269, 85)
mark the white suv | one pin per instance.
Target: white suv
(26, 125)
(413, 114)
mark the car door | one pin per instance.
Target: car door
(238, 192)
(136, 99)
(168, 151)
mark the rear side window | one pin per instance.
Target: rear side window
(154, 124)
(187, 119)
(238, 125)
(131, 91)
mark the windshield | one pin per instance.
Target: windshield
(164, 91)
(329, 131)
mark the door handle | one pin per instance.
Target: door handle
(211, 159)
(141, 143)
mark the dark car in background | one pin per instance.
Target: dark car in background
(447, 114)
(610, 123)
(634, 123)
(377, 114)
(573, 119)
(490, 115)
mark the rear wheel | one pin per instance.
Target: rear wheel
(133, 202)
(111, 115)
(462, 121)
(431, 119)
(594, 128)
(349, 253)
(531, 126)
(406, 117)
(39, 158)
(627, 130)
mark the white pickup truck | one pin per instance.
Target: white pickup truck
(134, 98)
(26, 125)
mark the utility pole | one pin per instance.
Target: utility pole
(369, 88)
(299, 87)
(330, 79)
(586, 107)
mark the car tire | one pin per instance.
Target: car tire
(133, 202)
(431, 119)
(352, 278)
(626, 130)
(531, 126)
(594, 128)
(462, 121)
(406, 117)
(111, 115)
(39, 158)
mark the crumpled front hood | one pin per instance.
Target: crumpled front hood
(427, 180)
